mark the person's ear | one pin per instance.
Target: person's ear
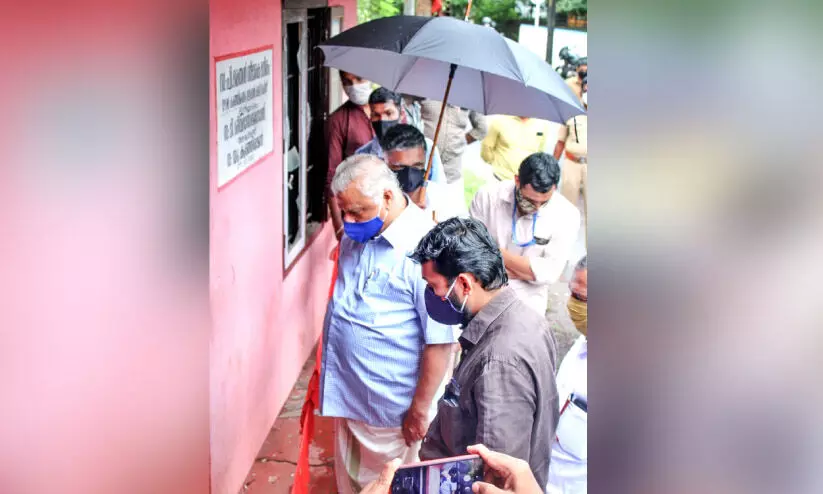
(517, 180)
(388, 196)
(465, 282)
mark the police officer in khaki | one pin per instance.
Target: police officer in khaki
(573, 142)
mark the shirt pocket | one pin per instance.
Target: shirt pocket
(387, 284)
(572, 432)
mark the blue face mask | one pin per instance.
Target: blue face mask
(365, 230)
(442, 310)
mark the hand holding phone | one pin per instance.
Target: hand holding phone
(504, 474)
(383, 483)
(454, 475)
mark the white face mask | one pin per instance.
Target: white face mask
(358, 93)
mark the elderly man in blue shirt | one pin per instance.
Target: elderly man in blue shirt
(384, 359)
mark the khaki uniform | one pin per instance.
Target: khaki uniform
(575, 159)
(576, 84)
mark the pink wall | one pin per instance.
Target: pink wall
(263, 326)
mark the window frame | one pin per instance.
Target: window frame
(291, 256)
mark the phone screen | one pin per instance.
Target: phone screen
(445, 476)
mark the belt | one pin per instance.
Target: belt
(577, 159)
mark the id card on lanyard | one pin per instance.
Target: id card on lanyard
(514, 228)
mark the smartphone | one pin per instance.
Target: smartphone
(454, 475)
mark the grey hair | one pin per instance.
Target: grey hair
(372, 174)
(582, 264)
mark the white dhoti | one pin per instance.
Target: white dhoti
(361, 450)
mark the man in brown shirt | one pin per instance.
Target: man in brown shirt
(503, 393)
(349, 128)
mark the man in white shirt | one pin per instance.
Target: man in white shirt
(534, 226)
(404, 148)
(569, 461)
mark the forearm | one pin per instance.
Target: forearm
(558, 149)
(336, 218)
(488, 145)
(479, 126)
(518, 267)
(433, 368)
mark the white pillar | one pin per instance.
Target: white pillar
(409, 6)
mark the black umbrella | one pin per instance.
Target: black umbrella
(480, 69)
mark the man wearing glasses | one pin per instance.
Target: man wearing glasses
(534, 227)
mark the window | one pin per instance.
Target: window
(307, 103)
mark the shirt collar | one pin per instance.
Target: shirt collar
(507, 192)
(477, 327)
(375, 148)
(401, 231)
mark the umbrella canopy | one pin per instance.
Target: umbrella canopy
(414, 55)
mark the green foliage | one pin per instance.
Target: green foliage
(472, 184)
(497, 10)
(510, 10)
(368, 10)
(575, 6)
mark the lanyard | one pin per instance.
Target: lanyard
(514, 228)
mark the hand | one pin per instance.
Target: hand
(504, 474)
(383, 483)
(415, 425)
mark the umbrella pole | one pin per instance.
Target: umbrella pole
(452, 70)
(468, 10)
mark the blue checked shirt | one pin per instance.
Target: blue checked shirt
(438, 175)
(376, 326)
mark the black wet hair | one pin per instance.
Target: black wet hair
(383, 95)
(463, 245)
(540, 170)
(402, 137)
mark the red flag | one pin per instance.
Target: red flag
(437, 7)
(301, 473)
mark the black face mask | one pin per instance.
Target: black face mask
(381, 126)
(410, 178)
(582, 74)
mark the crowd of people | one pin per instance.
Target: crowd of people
(436, 341)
